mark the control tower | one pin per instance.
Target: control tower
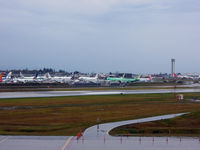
(172, 67)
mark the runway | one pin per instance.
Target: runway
(4, 95)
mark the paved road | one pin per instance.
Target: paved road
(104, 129)
(82, 93)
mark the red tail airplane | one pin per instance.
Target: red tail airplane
(1, 77)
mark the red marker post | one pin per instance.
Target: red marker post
(79, 135)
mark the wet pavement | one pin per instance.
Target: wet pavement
(32, 142)
(103, 129)
(84, 93)
(137, 143)
(99, 143)
(92, 139)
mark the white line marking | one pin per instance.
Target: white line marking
(3, 140)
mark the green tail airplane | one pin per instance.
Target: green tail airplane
(123, 79)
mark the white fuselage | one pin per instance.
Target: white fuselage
(89, 79)
(25, 79)
(144, 79)
(61, 79)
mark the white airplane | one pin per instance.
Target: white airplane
(45, 78)
(25, 79)
(64, 79)
(147, 79)
(7, 78)
(90, 79)
(187, 76)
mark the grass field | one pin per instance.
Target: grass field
(186, 125)
(67, 115)
(136, 86)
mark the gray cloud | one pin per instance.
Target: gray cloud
(100, 35)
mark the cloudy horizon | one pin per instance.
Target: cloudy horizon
(138, 36)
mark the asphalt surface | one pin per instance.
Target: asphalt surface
(103, 143)
(104, 129)
(137, 143)
(33, 142)
(91, 140)
(84, 93)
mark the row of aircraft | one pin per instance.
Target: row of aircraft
(187, 76)
(47, 78)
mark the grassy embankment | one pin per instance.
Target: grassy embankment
(67, 115)
(186, 125)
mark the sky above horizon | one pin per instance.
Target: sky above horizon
(136, 36)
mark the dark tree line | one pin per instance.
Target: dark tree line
(34, 71)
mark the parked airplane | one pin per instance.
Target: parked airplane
(25, 79)
(187, 76)
(64, 79)
(45, 78)
(148, 79)
(122, 79)
(89, 79)
(8, 78)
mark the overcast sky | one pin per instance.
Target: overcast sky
(138, 36)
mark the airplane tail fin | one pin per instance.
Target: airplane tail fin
(47, 75)
(150, 77)
(1, 76)
(137, 77)
(9, 75)
(36, 75)
(21, 75)
(175, 75)
(97, 76)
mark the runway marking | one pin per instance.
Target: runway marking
(66, 143)
(3, 140)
